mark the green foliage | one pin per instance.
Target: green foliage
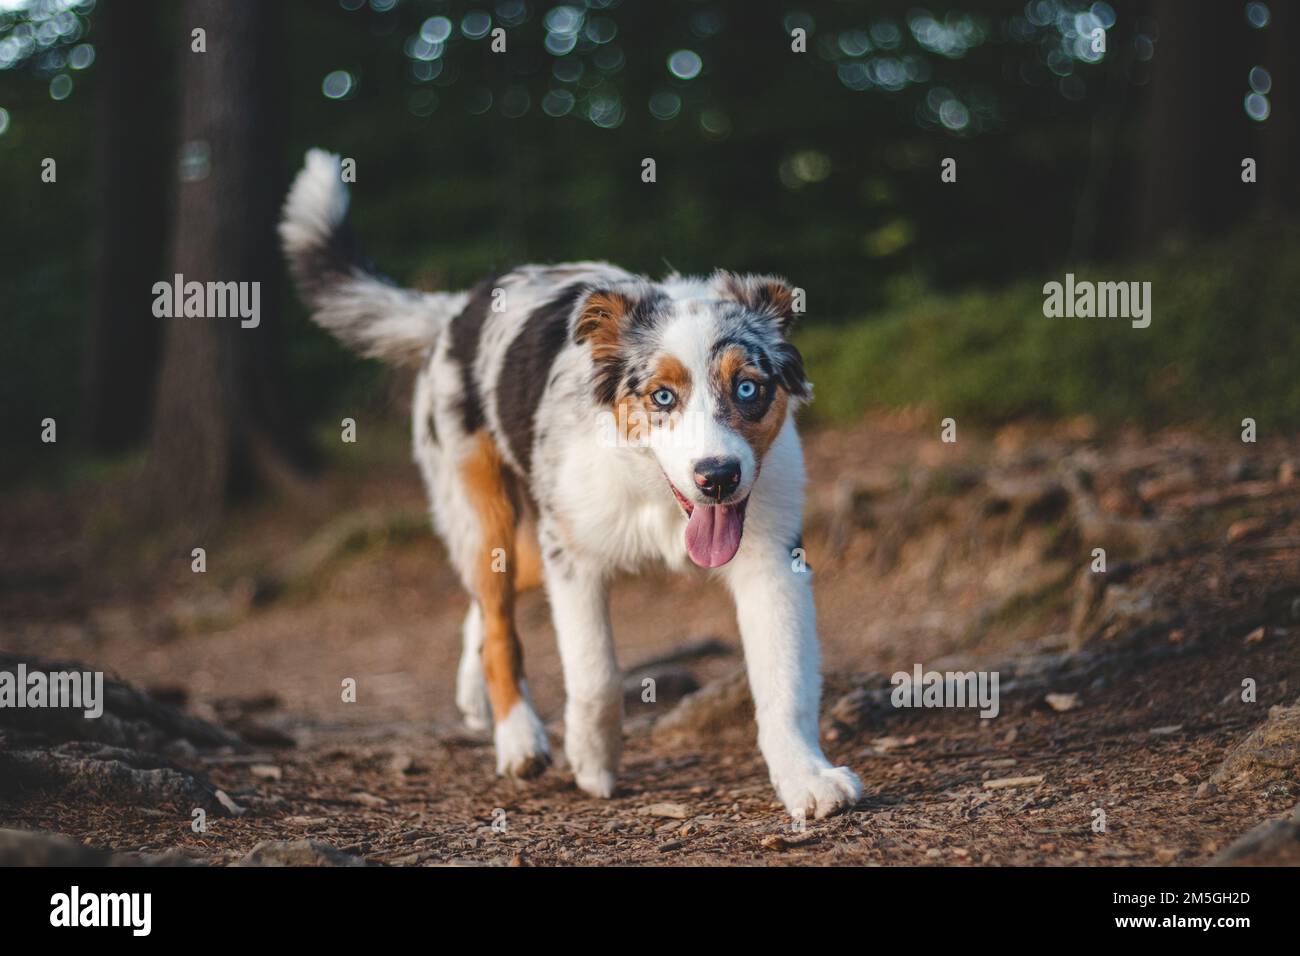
(1222, 345)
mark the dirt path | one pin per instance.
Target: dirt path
(973, 555)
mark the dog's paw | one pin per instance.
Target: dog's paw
(595, 781)
(821, 792)
(475, 709)
(522, 750)
(471, 694)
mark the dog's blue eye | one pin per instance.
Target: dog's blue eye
(663, 397)
(746, 390)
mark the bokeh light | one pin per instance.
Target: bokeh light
(665, 105)
(435, 30)
(476, 24)
(337, 84)
(685, 64)
(1257, 107)
(558, 103)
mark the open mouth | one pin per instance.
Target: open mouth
(712, 531)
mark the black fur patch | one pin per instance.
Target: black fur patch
(780, 360)
(790, 371)
(526, 369)
(466, 330)
(617, 372)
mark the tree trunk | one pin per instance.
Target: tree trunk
(220, 426)
(131, 162)
(1195, 129)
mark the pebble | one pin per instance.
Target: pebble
(1063, 702)
(1004, 783)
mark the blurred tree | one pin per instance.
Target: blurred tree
(220, 426)
(1190, 178)
(132, 146)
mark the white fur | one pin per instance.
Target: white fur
(778, 627)
(363, 309)
(521, 741)
(471, 688)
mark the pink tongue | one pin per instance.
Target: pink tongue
(713, 534)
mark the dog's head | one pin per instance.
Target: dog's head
(705, 383)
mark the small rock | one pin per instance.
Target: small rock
(1270, 844)
(779, 841)
(1206, 790)
(1256, 636)
(1268, 753)
(670, 811)
(234, 809)
(266, 771)
(1166, 730)
(1244, 528)
(671, 845)
(297, 853)
(1063, 702)
(1004, 783)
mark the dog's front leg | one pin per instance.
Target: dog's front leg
(593, 709)
(778, 627)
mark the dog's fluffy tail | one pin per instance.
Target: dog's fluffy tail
(362, 308)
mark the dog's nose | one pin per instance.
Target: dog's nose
(717, 477)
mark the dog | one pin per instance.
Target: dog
(575, 421)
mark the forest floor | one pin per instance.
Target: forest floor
(1145, 716)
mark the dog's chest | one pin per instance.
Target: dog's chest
(628, 516)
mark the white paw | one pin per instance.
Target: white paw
(522, 750)
(819, 792)
(475, 708)
(595, 781)
(593, 741)
(471, 693)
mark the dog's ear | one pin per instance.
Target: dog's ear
(603, 318)
(769, 296)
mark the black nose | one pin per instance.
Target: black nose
(717, 477)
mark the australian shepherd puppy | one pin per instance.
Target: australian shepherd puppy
(574, 421)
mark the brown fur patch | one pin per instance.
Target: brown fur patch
(483, 473)
(601, 323)
(528, 560)
(638, 410)
(759, 431)
(601, 318)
